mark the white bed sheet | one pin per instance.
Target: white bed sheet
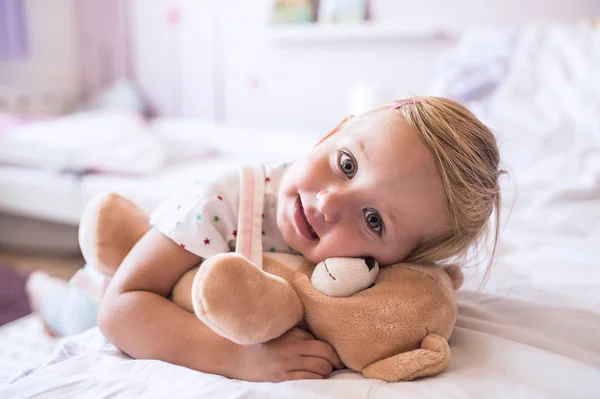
(23, 341)
(501, 348)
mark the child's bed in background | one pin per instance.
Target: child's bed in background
(533, 332)
(49, 171)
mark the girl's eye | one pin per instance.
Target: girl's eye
(348, 164)
(374, 220)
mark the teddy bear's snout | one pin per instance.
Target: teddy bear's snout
(341, 277)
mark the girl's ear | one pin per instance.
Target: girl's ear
(337, 129)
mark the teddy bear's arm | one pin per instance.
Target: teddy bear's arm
(243, 303)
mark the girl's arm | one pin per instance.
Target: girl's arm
(136, 316)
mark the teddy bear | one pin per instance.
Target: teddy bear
(396, 328)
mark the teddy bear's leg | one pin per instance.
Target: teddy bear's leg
(243, 303)
(430, 359)
(109, 227)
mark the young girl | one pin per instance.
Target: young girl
(416, 181)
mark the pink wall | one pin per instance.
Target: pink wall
(216, 59)
(46, 81)
(219, 61)
(102, 43)
(308, 84)
(173, 46)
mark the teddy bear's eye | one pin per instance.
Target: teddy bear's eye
(370, 261)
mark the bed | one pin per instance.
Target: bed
(533, 331)
(42, 201)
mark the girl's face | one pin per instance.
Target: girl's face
(372, 189)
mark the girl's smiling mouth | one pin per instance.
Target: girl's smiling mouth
(302, 224)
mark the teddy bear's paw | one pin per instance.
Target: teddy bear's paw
(241, 302)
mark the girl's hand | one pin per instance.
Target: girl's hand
(296, 355)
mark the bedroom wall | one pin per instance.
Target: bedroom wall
(102, 52)
(173, 46)
(46, 80)
(75, 48)
(308, 84)
(216, 59)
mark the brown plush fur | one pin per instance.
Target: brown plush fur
(109, 227)
(407, 307)
(257, 306)
(395, 330)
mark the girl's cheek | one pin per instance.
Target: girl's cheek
(307, 175)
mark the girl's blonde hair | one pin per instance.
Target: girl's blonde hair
(467, 157)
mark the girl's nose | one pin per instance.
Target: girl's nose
(331, 204)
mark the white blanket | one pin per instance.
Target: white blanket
(106, 141)
(501, 348)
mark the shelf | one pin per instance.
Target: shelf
(310, 33)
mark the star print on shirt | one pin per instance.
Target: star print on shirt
(184, 218)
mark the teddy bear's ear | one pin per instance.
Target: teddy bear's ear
(430, 359)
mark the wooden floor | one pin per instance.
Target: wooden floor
(57, 266)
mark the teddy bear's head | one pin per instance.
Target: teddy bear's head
(406, 316)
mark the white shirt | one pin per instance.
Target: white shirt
(203, 218)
